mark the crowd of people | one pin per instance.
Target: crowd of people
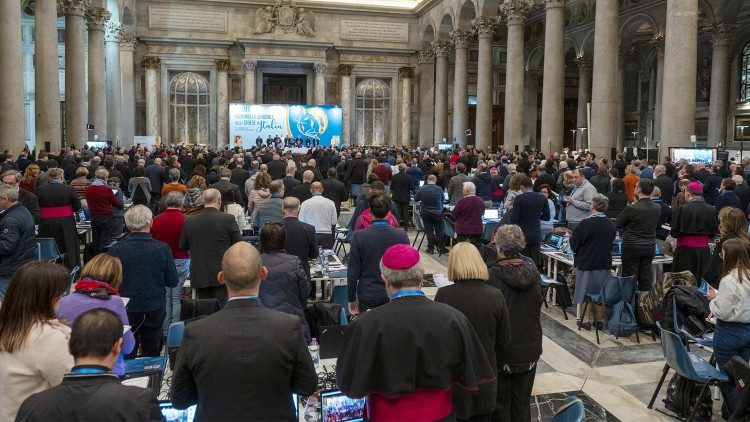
(162, 216)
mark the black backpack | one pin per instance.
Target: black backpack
(682, 395)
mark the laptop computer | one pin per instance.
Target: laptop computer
(331, 339)
(491, 214)
(617, 247)
(171, 414)
(336, 407)
(554, 240)
(657, 251)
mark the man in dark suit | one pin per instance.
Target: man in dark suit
(664, 183)
(335, 190)
(401, 187)
(302, 191)
(300, 238)
(224, 185)
(207, 235)
(290, 182)
(26, 198)
(91, 391)
(155, 174)
(254, 384)
(276, 168)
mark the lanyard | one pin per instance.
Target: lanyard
(380, 223)
(253, 298)
(598, 215)
(86, 371)
(402, 293)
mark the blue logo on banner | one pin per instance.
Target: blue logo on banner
(315, 122)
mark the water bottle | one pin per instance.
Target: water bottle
(311, 409)
(314, 349)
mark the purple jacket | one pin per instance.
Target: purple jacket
(468, 215)
(74, 304)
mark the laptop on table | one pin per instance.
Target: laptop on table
(491, 214)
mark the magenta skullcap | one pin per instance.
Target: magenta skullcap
(400, 257)
(695, 187)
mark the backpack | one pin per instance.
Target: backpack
(682, 395)
(652, 300)
(621, 321)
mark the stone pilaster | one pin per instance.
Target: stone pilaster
(46, 75)
(222, 103)
(97, 17)
(460, 39)
(406, 75)
(531, 105)
(721, 35)
(553, 96)
(345, 72)
(426, 73)
(127, 79)
(441, 48)
(75, 72)
(658, 45)
(320, 82)
(584, 97)
(514, 13)
(485, 29)
(603, 130)
(114, 89)
(249, 66)
(680, 73)
(11, 79)
(151, 64)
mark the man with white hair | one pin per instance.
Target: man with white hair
(148, 269)
(290, 182)
(101, 201)
(17, 238)
(664, 183)
(405, 355)
(155, 174)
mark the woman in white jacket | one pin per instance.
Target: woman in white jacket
(731, 307)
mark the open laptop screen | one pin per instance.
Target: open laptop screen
(491, 214)
(336, 407)
(176, 415)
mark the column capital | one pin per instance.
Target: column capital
(97, 17)
(553, 4)
(112, 32)
(514, 11)
(721, 34)
(128, 40)
(406, 72)
(460, 38)
(151, 62)
(249, 65)
(485, 26)
(584, 64)
(345, 70)
(441, 47)
(658, 45)
(320, 68)
(76, 7)
(426, 56)
(222, 65)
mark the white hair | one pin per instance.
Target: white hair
(469, 188)
(138, 218)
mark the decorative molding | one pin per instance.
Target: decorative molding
(373, 58)
(344, 70)
(441, 47)
(76, 7)
(160, 49)
(460, 38)
(222, 65)
(97, 17)
(658, 45)
(249, 65)
(285, 17)
(553, 4)
(515, 11)
(128, 40)
(426, 56)
(721, 34)
(285, 52)
(584, 64)
(112, 31)
(406, 72)
(320, 68)
(151, 62)
(485, 26)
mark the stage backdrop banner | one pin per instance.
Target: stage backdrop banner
(250, 121)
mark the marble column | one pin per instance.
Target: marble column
(719, 100)
(46, 75)
(11, 79)
(584, 97)
(603, 130)
(514, 12)
(127, 80)
(734, 96)
(75, 73)
(114, 88)
(651, 103)
(553, 94)
(426, 70)
(680, 72)
(222, 103)
(441, 48)
(249, 66)
(97, 17)
(485, 29)
(406, 75)
(320, 82)
(345, 72)
(151, 64)
(460, 40)
(623, 61)
(658, 44)
(531, 106)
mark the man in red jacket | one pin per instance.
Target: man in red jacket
(101, 199)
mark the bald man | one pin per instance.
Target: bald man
(302, 191)
(320, 212)
(224, 365)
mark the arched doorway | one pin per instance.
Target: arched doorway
(189, 108)
(372, 110)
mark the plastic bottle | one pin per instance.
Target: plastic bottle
(314, 349)
(311, 409)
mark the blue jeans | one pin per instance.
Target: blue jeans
(356, 188)
(4, 282)
(731, 339)
(175, 293)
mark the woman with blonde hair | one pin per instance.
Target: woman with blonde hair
(260, 193)
(97, 288)
(80, 183)
(373, 163)
(732, 225)
(193, 202)
(485, 308)
(28, 183)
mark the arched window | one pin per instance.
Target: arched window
(188, 108)
(372, 112)
(745, 74)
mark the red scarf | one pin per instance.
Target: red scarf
(89, 285)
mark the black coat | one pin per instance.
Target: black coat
(334, 190)
(243, 363)
(90, 397)
(485, 308)
(289, 184)
(224, 185)
(17, 239)
(31, 202)
(401, 187)
(301, 192)
(638, 222)
(287, 286)
(300, 241)
(617, 202)
(207, 235)
(592, 244)
(277, 169)
(666, 186)
(63, 230)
